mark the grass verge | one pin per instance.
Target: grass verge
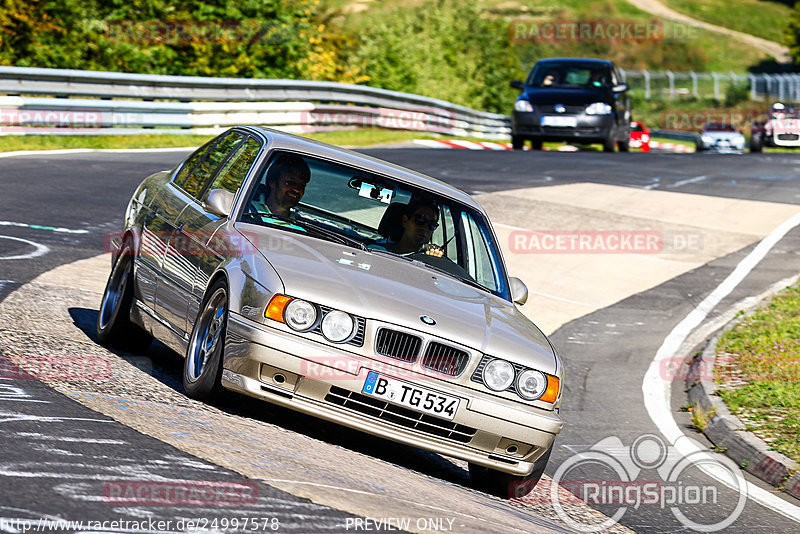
(761, 18)
(759, 374)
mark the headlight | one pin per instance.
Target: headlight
(498, 375)
(598, 108)
(337, 326)
(707, 139)
(531, 384)
(300, 315)
(523, 105)
(645, 138)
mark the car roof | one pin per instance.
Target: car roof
(296, 143)
(576, 60)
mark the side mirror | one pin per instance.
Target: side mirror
(516, 84)
(519, 291)
(220, 202)
(621, 88)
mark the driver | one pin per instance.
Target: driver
(285, 183)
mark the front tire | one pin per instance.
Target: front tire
(504, 485)
(517, 142)
(756, 144)
(202, 368)
(114, 327)
(610, 143)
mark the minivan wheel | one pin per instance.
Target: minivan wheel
(517, 142)
(536, 144)
(610, 142)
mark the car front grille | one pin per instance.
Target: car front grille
(379, 409)
(788, 137)
(358, 337)
(445, 359)
(398, 345)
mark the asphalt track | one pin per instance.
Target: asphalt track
(74, 200)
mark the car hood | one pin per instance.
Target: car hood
(723, 135)
(565, 96)
(377, 286)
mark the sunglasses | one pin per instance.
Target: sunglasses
(420, 220)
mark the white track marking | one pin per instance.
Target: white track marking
(90, 150)
(688, 181)
(657, 391)
(40, 249)
(40, 227)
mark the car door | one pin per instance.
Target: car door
(623, 116)
(201, 227)
(157, 229)
(176, 277)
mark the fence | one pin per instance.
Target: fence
(109, 102)
(670, 85)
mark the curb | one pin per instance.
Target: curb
(725, 430)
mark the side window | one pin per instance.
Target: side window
(444, 236)
(191, 162)
(195, 183)
(236, 168)
(480, 264)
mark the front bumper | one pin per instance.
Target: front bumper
(300, 374)
(588, 129)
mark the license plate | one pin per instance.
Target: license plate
(411, 396)
(559, 122)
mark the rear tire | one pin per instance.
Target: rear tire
(536, 144)
(504, 485)
(114, 327)
(517, 142)
(624, 146)
(202, 368)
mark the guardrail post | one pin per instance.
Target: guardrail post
(768, 85)
(646, 74)
(753, 90)
(715, 77)
(693, 76)
(671, 78)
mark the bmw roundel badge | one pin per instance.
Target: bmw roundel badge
(427, 320)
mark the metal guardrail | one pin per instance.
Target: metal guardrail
(103, 100)
(669, 85)
(677, 136)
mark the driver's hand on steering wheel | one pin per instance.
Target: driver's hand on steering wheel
(432, 250)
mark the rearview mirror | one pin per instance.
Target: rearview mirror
(220, 202)
(516, 84)
(519, 291)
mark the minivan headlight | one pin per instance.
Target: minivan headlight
(598, 108)
(522, 105)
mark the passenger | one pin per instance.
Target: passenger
(418, 223)
(285, 185)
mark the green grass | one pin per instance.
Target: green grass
(760, 381)
(761, 18)
(348, 138)
(687, 48)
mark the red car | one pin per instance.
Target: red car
(640, 136)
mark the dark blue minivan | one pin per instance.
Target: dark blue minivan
(575, 100)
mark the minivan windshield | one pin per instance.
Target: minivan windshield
(569, 74)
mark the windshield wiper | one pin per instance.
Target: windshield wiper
(327, 232)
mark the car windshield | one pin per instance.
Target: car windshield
(375, 213)
(719, 127)
(568, 74)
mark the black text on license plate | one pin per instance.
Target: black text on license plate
(411, 396)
